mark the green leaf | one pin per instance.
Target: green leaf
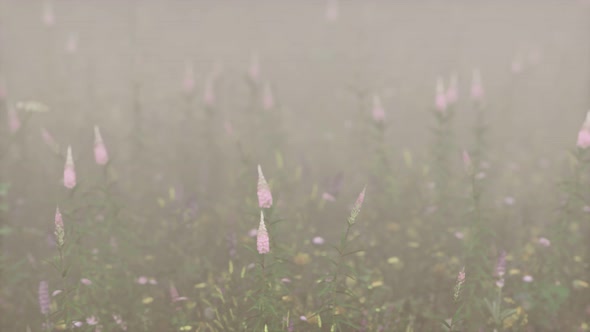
(65, 272)
(5, 230)
(507, 313)
(4, 186)
(352, 252)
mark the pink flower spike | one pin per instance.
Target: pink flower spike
(174, 294)
(356, 208)
(584, 134)
(48, 16)
(254, 70)
(326, 196)
(467, 161)
(13, 120)
(101, 155)
(2, 89)
(440, 101)
(229, 129)
(264, 194)
(534, 57)
(360, 199)
(583, 139)
(209, 93)
(453, 90)
(44, 300)
(461, 276)
(142, 280)
(189, 78)
(378, 112)
(459, 284)
(69, 171)
(86, 282)
(72, 43)
(586, 124)
(516, 65)
(59, 223)
(262, 240)
(332, 10)
(268, 101)
(476, 87)
(49, 140)
(501, 264)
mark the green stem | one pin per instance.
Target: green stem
(64, 286)
(341, 249)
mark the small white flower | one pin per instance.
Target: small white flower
(318, 240)
(509, 200)
(544, 242)
(92, 320)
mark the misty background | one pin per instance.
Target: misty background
(132, 55)
(394, 48)
(121, 65)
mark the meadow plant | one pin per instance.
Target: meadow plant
(101, 155)
(263, 191)
(452, 93)
(50, 141)
(63, 317)
(158, 227)
(476, 252)
(69, 170)
(267, 307)
(332, 10)
(14, 122)
(337, 298)
(480, 129)
(188, 84)
(48, 16)
(477, 91)
(442, 150)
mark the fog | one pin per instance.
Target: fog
(464, 121)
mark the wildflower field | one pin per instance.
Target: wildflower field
(294, 166)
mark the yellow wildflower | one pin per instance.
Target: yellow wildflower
(301, 259)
